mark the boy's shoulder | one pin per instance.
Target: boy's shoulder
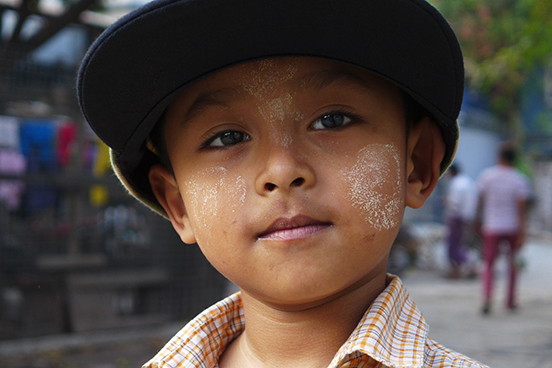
(202, 341)
(391, 333)
(394, 333)
(439, 356)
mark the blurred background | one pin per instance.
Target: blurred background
(82, 264)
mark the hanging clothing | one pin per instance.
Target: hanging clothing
(9, 132)
(38, 144)
(12, 163)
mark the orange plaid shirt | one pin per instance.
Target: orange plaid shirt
(392, 333)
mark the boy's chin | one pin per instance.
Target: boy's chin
(300, 296)
(296, 303)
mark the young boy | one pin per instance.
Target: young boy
(285, 138)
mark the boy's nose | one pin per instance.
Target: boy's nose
(282, 170)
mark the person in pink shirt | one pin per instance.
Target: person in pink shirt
(503, 194)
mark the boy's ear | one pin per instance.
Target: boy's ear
(166, 191)
(425, 151)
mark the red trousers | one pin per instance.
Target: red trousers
(491, 250)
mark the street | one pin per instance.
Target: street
(451, 307)
(502, 339)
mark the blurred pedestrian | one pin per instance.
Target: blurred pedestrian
(460, 208)
(503, 196)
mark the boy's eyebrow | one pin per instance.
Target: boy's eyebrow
(324, 78)
(316, 80)
(219, 98)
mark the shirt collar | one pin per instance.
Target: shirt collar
(392, 331)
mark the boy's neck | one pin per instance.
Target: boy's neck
(306, 337)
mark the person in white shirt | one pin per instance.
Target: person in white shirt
(503, 196)
(460, 206)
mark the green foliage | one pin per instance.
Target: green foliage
(502, 41)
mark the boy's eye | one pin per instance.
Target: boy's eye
(227, 138)
(329, 121)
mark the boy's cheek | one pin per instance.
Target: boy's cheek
(374, 185)
(371, 184)
(211, 195)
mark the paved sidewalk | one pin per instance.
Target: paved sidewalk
(502, 339)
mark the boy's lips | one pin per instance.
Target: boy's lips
(291, 228)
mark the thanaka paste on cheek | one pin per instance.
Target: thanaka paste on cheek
(374, 184)
(213, 193)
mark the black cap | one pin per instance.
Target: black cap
(139, 64)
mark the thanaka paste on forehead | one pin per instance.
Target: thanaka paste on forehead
(264, 78)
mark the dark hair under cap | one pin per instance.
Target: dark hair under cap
(138, 65)
(508, 152)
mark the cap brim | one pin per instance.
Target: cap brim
(135, 69)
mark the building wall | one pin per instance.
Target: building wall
(477, 147)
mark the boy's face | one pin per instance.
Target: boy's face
(290, 174)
